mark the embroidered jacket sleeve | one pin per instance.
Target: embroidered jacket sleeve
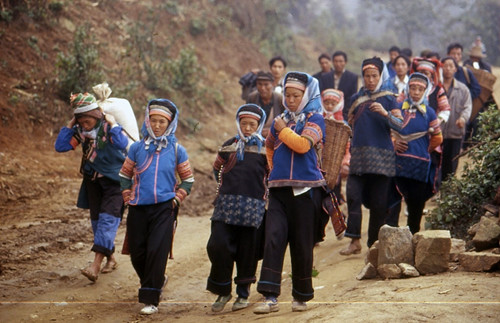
(185, 174)
(67, 140)
(221, 158)
(311, 135)
(270, 140)
(443, 106)
(127, 173)
(390, 103)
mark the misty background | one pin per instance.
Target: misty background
(359, 27)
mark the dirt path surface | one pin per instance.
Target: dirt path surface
(45, 240)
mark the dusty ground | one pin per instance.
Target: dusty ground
(46, 240)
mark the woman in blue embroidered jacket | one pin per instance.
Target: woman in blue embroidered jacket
(294, 180)
(150, 188)
(422, 133)
(241, 170)
(372, 153)
(103, 145)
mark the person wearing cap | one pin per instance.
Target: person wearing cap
(461, 106)
(372, 153)
(422, 133)
(295, 183)
(265, 97)
(103, 144)
(150, 188)
(241, 171)
(476, 56)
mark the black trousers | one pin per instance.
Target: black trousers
(290, 220)
(415, 196)
(229, 244)
(451, 149)
(370, 190)
(150, 231)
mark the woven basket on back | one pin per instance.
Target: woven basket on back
(486, 80)
(336, 139)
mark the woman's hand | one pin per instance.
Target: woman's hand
(110, 119)
(71, 123)
(279, 124)
(460, 123)
(378, 108)
(401, 146)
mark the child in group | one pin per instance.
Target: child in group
(333, 104)
(149, 186)
(422, 134)
(241, 170)
(333, 107)
(103, 144)
(294, 182)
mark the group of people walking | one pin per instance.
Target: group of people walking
(270, 183)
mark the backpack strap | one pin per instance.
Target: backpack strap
(467, 76)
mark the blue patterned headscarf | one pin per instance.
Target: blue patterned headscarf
(311, 101)
(249, 110)
(168, 138)
(423, 99)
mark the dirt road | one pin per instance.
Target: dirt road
(42, 282)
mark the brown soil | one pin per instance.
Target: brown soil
(45, 239)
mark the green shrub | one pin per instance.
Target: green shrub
(79, 70)
(197, 26)
(171, 7)
(56, 7)
(461, 199)
(185, 71)
(6, 15)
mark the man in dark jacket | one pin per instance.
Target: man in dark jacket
(344, 80)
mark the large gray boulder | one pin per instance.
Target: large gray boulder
(487, 233)
(395, 245)
(432, 251)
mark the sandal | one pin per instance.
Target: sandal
(109, 267)
(87, 272)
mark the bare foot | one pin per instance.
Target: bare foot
(90, 273)
(353, 248)
(111, 265)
